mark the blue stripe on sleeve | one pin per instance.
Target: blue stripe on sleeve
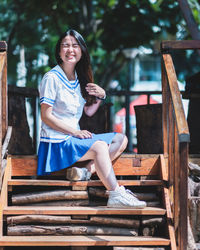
(47, 100)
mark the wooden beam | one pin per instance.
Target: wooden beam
(58, 210)
(182, 126)
(185, 44)
(74, 240)
(183, 194)
(165, 105)
(4, 99)
(91, 183)
(4, 194)
(170, 220)
(164, 170)
(148, 165)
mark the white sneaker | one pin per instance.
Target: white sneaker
(124, 198)
(78, 174)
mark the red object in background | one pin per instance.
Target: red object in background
(118, 127)
(141, 100)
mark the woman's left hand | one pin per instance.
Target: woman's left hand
(94, 89)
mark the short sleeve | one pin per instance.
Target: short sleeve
(47, 89)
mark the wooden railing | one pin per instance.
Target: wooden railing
(176, 139)
(3, 99)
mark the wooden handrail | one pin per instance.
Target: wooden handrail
(183, 131)
(183, 45)
(176, 138)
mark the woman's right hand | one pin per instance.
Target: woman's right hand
(82, 134)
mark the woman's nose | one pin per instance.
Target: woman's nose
(70, 48)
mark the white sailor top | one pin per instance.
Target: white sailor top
(66, 100)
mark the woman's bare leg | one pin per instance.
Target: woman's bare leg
(99, 154)
(116, 148)
(118, 196)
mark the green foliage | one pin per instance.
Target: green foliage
(109, 26)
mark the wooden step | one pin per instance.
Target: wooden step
(96, 240)
(63, 183)
(59, 210)
(126, 164)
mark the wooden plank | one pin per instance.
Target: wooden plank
(165, 101)
(23, 91)
(183, 193)
(99, 240)
(57, 230)
(177, 176)
(164, 171)
(2, 65)
(58, 210)
(182, 125)
(4, 194)
(170, 219)
(148, 166)
(171, 144)
(24, 165)
(91, 183)
(185, 44)
(27, 165)
(4, 100)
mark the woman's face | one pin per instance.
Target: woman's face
(70, 51)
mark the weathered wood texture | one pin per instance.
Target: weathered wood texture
(101, 240)
(187, 44)
(135, 165)
(62, 220)
(182, 125)
(149, 128)
(3, 100)
(18, 120)
(68, 230)
(49, 196)
(176, 138)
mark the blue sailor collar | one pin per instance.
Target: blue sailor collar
(71, 85)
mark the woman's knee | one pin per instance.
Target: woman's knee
(124, 141)
(99, 147)
(121, 139)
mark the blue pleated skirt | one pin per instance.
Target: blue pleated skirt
(56, 156)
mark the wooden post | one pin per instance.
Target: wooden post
(164, 109)
(3, 97)
(184, 195)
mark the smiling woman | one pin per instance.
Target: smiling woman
(65, 91)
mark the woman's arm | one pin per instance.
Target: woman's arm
(49, 119)
(94, 89)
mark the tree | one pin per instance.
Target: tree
(109, 26)
(192, 25)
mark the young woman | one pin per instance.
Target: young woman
(65, 91)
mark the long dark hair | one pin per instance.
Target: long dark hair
(83, 67)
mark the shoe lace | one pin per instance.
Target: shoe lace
(129, 192)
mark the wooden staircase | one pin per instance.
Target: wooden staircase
(20, 173)
(164, 175)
